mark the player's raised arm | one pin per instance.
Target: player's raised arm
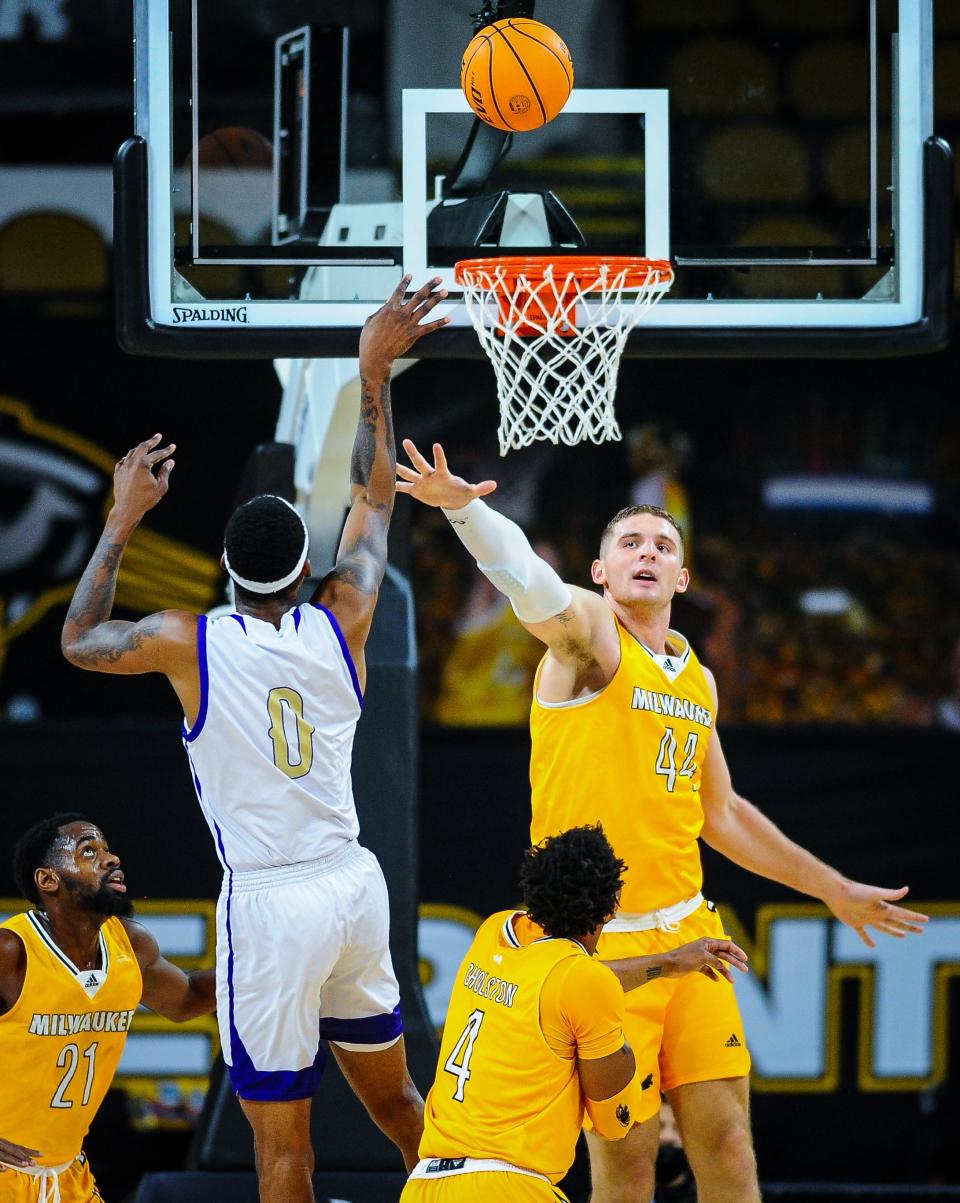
(350, 589)
(560, 615)
(738, 830)
(161, 642)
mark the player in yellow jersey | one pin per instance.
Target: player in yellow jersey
(72, 973)
(623, 725)
(534, 1034)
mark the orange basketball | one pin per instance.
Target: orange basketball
(516, 74)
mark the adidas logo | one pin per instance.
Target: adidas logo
(668, 665)
(733, 1042)
(91, 980)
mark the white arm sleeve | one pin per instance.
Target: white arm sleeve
(507, 560)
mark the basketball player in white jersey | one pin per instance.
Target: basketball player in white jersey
(271, 696)
(622, 711)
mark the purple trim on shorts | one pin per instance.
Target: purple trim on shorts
(272, 1086)
(373, 1029)
(265, 1086)
(346, 652)
(191, 735)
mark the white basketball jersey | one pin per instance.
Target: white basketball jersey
(271, 746)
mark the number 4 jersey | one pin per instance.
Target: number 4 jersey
(61, 1041)
(271, 745)
(523, 1011)
(630, 757)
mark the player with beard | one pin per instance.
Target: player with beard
(72, 973)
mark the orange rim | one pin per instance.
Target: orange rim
(585, 268)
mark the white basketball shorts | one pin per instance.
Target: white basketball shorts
(303, 955)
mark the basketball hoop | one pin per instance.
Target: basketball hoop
(554, 330)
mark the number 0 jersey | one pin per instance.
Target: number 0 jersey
(60, 1042)
(519, 1017)
(271, 746)
(630, 757)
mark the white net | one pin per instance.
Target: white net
(554, 332)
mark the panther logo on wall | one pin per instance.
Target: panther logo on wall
(55, 487)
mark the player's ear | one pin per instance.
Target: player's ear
(597, 573)
(683, 580)
(223, 561)
(47, 880)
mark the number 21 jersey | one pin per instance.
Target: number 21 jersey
(61, 1041)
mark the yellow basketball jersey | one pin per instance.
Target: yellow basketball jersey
(630, 758)
(488, 673)
(59, 1047)
(501, 1090)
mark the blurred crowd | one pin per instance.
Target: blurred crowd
(804, 618)
(863, 628)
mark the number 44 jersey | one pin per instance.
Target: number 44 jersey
(271, 745)
(631, 757)
(61, 1041)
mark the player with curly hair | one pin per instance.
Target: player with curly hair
(623, 731)
(534, 1033)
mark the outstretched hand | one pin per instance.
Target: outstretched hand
(395, 327)
(434, 484)
(137, 486)
(708, 956)
(861, 906)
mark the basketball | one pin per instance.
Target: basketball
(517, 74)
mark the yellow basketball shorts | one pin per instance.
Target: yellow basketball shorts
(482, 1188)
(681, 1029)
(76, 1185)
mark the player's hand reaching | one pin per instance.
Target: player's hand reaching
(708, 956)
(396, 326)
(861, 906)
(434, 484)
(142, 477)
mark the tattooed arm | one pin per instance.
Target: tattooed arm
(350, 589)
(164, 642)
(707, 955)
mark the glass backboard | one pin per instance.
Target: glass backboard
(782, 159)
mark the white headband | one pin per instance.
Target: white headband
(273, 586)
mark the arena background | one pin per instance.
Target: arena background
(834, 634)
